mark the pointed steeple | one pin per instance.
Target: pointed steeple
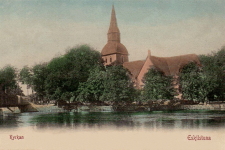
(113, 32)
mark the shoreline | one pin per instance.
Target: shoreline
(124, 108)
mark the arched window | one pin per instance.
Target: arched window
(106, 60)
(110, 59)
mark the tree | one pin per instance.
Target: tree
(81, 60)
(25, 75)
(117, 86)
(196, 84)
(109, 84)
(39, 76)
(67, 72)
(8, 77)
(214, 66)
(93, 88)
(8, 81)
(157, 86)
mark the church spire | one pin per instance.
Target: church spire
(114, 52)
(113, 32)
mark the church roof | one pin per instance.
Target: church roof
(114, 48)
(113, 23)
(134, 67)
(172, 65)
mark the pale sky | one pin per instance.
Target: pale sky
(34, 31)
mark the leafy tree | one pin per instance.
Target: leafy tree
(195, 83)
(35, 77)
(109, 84)
(66, 72)
(8, 77)
(157, 86)
(25, 75)
(214, 65)
(93, 88)
(117, 86)
(81, 60)
(58, 82)
(39, 75)
(8, 81)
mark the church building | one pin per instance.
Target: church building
(115, 53)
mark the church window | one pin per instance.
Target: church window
(110, 59)
(106, 60)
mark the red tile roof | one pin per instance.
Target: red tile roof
(134, 67)
(172, 65)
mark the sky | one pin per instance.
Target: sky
(35, 31)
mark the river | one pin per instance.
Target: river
(118, 120)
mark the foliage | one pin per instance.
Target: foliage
(157, 86)
(25, 75)
(117, 85)
(93, 88)
(195, 83)
(8, 78)
(66, 72)
(214, 66)
(81, 60)
(60, 78)
(109, 84)
(8, 81)
(39, 75)
(35, 77)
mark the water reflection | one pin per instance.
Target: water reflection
(118, 120)
(153, 120)
(84, 120)
(9, 121)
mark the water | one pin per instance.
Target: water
(129, 120)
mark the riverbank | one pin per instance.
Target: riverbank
(40, 108)
(204, 107)
(161, 105)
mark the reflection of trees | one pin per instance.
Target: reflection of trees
(188, 123)
(124, 120)
(10, 121)
(84, 120)
(203, 123)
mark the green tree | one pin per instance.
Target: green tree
(8, 81)
(117, 86)
(93, 88)
(109, 84)
(157, 86)
(8, 78)
(25, 75)
(195, 83)
(214, 65)
(67, 72)
(39, 76)
(35, 77)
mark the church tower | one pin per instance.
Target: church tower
(114, 52)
